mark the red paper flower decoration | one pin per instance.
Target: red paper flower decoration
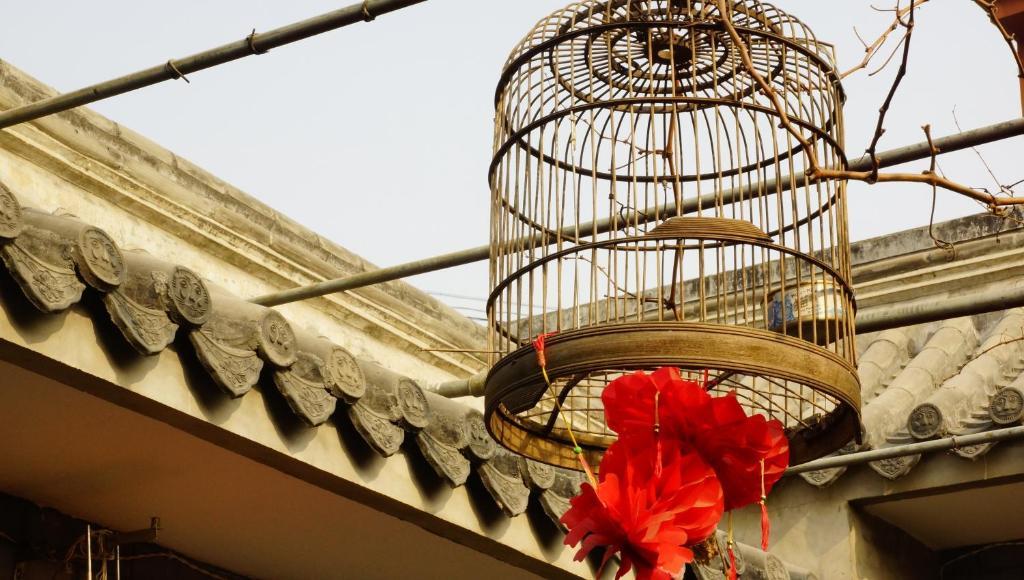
(648, 520)
(682, 457)
(735, 444)
(717, 428)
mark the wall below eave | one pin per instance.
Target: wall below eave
(76, 352)
(832, 532)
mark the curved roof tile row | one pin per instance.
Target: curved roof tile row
(956, 377)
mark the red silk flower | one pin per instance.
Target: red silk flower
(649, 520)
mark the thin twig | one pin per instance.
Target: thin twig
(892, 55)
(871, 50)
(1007, 190)
(934, 152)
(1001, 343)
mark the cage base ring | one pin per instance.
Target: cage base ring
(516, 385)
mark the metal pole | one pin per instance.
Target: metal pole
(901, 315)
(910, 449)
(175, 69)
(376, 276)
(898, 156)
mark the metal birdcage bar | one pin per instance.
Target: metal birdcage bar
(628, 112)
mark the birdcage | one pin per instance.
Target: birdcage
(650, 208)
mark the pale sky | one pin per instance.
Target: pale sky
(378, 136)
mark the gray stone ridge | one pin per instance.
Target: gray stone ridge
(954, 377)
(56, 258)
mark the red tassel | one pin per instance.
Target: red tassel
(657, 436)
(766, 527)
(732, 563)
(658, 458)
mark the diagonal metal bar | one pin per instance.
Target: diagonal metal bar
(915, 152)
(178, 68)
(1007, 434)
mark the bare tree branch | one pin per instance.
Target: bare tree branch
(814, 171)
(900, 74)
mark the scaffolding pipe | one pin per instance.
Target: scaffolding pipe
(955, 442)
(468, 387)
(890, 158)
(255, 43)
(909, 314)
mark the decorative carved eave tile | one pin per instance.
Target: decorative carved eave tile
(234, 369)
(555, 499)
(926, 421)
(762, 565)
(376, 414)
(95, 255)
(481, 447)
(11, 222)
(442, 441)
(825, 477)
(536, 475)
(895, 467)
(343, 377)
(42, 263)
(414, 409)
(379, 433)
(979, 421)
(973, 452)
(797, 573)
(503, 479)
(148, 330)
(304, 388)
(235, 333)
(322, 373)
(154, 297)
(1007, 406)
